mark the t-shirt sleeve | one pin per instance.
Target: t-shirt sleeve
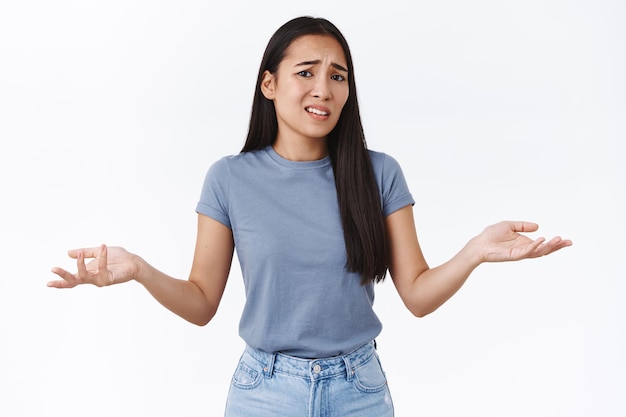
(394, 189)
(215, 190)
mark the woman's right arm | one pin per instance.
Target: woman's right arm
(195, 299)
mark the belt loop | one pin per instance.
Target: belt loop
(349, 372)
(268, 370)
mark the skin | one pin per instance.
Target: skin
(311, 76)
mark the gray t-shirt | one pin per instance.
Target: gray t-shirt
(300, 298)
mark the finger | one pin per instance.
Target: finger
(66, 275)
(531, 251)
(68, 279)
(61, 284)
(102, 265)
(524, 227)
(548, 247)
(554, 241)
(557, 243)
(87, 252)
(561, 245)
(82, 268)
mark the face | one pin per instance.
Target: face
(309, 89)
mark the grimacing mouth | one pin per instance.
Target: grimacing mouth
(316, 111)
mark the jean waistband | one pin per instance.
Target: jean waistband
(313, 368)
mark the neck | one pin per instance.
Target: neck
(310, 150)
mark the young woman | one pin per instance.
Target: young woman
(317, 219)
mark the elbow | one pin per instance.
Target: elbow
(203, 319)
(421, 311)
(416, 309)
(200, 323)
(420, 306)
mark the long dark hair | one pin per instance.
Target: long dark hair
(357, 191)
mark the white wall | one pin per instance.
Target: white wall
(111, 112)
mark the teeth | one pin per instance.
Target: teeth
(316, 111)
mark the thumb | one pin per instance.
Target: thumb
(523, 227)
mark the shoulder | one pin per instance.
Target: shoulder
(382, 162)
(237, 161)
(392, 185)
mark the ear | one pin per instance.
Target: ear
(268, 85)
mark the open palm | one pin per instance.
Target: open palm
(503, 242)
(108, 266)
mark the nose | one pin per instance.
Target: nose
(321, 89)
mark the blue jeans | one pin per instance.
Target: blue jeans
(278, 385)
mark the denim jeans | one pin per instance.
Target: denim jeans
(277, 385)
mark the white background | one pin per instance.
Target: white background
(111, 112)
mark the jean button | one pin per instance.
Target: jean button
(317, 368)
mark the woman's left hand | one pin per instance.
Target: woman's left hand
(502, 242)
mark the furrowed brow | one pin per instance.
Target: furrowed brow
(339, 67)
(317, 61)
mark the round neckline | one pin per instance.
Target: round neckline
(318, 163)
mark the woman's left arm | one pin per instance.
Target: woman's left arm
(425, 289)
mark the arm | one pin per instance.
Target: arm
(195, 299)
(424, 289)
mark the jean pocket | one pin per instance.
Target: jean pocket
(370, 377)
(248, 374)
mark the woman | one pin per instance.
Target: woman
(316, 219)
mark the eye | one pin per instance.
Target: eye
(305, 73)
(338, 77)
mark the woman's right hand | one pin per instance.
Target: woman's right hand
(107, 266)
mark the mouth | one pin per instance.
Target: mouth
(316, 111)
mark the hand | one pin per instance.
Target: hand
(109, 266)
(503, 242)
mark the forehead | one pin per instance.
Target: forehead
(316, 47)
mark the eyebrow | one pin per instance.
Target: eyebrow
(317, 61)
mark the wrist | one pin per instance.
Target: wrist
(140, 269)
(473, 252)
